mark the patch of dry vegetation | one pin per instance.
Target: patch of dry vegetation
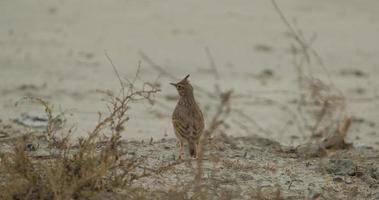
(321, 107)
(76, 170)
(99, 167)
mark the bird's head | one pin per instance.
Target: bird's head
(184, 87)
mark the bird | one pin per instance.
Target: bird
(187, 118)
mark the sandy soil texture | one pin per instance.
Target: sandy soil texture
(63, 52)
(236, 168)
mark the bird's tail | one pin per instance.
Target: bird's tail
(192, 148)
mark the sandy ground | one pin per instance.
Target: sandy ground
(234, 168)
(55, 50)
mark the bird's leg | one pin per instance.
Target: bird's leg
(197, 149)
(181, 155)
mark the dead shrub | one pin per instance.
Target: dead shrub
(321, 106)
(76, 170)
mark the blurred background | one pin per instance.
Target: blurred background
(56, 50)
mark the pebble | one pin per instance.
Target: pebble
(30, 147)
(338, 179)
(167, 147)
(8, 126)
(310, 150)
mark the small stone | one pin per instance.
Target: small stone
(338, 179)
(3, 134)
(370, 124)
(348, 180)
(107, 195)
(8, 126)
(30, 147)
(151, 141)
(310, 150)
(263, 48)
(35, 120)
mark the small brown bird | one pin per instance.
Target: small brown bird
(187, 118)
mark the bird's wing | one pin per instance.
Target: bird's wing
(185, 125)
(187, 129)
(199, 127)
(181, 128)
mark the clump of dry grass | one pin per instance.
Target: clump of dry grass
(321, 106)
(222, 112)
(97, 164)
(76, 170)
(267, 193)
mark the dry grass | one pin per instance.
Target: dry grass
(97, 164)
(267, 193)
(321, 105)
(76, 170)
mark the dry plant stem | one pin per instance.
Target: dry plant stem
(164, 72)
(252, 121)
(364, 99)
(223, 110)
(265, 92)
(269, 101)
(320, 116)
(298, 38)
(76, 171)
(212, 95)
(213, 66)
(330, 108)
(345, 126)
(305, 47)
(114, 69)
(54, 123)
(266, 101)
(162, 169)
(212, 63)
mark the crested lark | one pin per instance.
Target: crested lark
(187, 118)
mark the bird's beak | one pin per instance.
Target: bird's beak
(174, 84)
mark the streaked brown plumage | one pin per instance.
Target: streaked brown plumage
(187, 118)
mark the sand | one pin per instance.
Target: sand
(56, 50)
